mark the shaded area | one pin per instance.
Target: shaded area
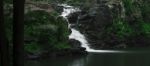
(97, 59)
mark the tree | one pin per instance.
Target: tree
(18, 32)
(3, 41)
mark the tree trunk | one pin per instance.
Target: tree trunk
(4, 55)
(18, 33)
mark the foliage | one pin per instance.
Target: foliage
(138, 11)
(128, 6)
(138, 8)
(146, 28)
(32, 48)
(46, 30)
(145, 9)
(122, 28)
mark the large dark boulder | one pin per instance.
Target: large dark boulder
(74, 43)
(73, 17)
(76, 48)
(94, 22)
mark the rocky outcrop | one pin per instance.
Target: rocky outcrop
(91, 23)
(100, 24)
(76, 47)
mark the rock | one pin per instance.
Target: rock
(97, 24)
(74, 43)
(58, 8)
(93, 23)
(76, 48)
(78, 51)
(73, 17)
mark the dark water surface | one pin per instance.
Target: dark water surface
(97, 59)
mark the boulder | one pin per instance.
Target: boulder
(93, 23)
(74, 43)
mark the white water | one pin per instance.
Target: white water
(76, 34)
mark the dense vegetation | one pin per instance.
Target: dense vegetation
(133, 29)
(44, 31)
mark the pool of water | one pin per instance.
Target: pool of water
(97, 59)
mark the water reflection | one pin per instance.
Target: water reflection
(97, 59)
(78, 62)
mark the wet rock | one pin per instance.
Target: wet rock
(76, 47)
(78, 51)
(59, 9)
(93, 22)
(74, 43)
(73, 17)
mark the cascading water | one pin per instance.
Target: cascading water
(76, 34)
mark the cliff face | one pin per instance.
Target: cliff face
(111, 24)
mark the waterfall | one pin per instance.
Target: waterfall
(76, 34)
